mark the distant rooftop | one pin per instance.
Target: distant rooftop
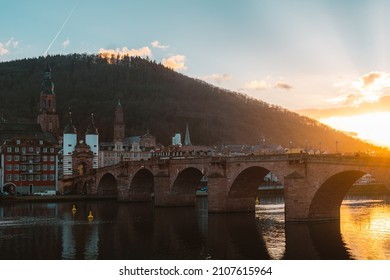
(30, 130)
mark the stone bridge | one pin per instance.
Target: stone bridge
(314, 185)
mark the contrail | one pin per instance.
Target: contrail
(59, 31)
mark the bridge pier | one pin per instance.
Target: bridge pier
(163, 195)
(217, 194)
(219, 200)
(123, 184)
(299, 193)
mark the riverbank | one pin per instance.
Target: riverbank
(54, 198)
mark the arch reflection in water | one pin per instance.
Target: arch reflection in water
(141, 231)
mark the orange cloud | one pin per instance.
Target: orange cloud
(264, 84)
(175, 62)
(5, 47)
(369, 88)
(156, 44)
(218, 78)
(141, 52)
(283, 85)
(370, 78)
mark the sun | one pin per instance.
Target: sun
(371, 127)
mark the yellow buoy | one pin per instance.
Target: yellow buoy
(74, 208)
(257, 201)
(90, 216)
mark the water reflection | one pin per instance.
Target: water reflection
(141, 231)
(365, 227)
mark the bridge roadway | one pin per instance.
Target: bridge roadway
(314, 185)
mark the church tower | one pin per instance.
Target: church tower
(119, 127)
(187, 140)
(48, 117)
(69, 144)
(92, 140)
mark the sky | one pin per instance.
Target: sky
(320, 58)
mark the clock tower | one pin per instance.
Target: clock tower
(47, 116)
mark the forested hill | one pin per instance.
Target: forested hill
(156, 98)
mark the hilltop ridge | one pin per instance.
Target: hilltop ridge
(160, 100)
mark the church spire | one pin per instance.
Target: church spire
(47, 116)
(92, 128)
(119, 124)
(70, 128)
(47, 84)
(187, 140)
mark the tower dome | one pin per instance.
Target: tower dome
(92, 128)
(70, 128)
(47, 84)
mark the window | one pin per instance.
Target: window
(9, 149)
(9, 178)
(45, 150)
(23, 167)
(38, 150)
(23, 158)
(16, 149)
(31, 177)
(9, 157)
(22, 177)
(51, 177)
(18, 142)
(23, 150)
(9, 167)
(30, 149)
(44, 167)
(51, 150)
(37, 177)
(40, 142)
(51, 158)
(44, 158)
(37, 168)
(16, 158)
(16, 177)
(16, 167)
(44, 177)
(51, 167)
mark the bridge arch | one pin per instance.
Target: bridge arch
(244, 189)
(187, 181)
(329, 196)
(108, 185)
(142, 186)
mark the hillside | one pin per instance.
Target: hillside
(158, 99)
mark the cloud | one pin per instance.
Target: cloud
(141, 52)
(257, 85)
(218, 78)
(370, 87)
(266, 84)
(156, 44)
(282, 85)
(5, 47)
(66, 43)
(175, 62)
(370, 78)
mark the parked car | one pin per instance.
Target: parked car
(45, 193)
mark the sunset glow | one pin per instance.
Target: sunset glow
(371, 127)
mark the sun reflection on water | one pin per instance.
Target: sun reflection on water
(365, 228)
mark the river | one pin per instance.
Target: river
(45, 231)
